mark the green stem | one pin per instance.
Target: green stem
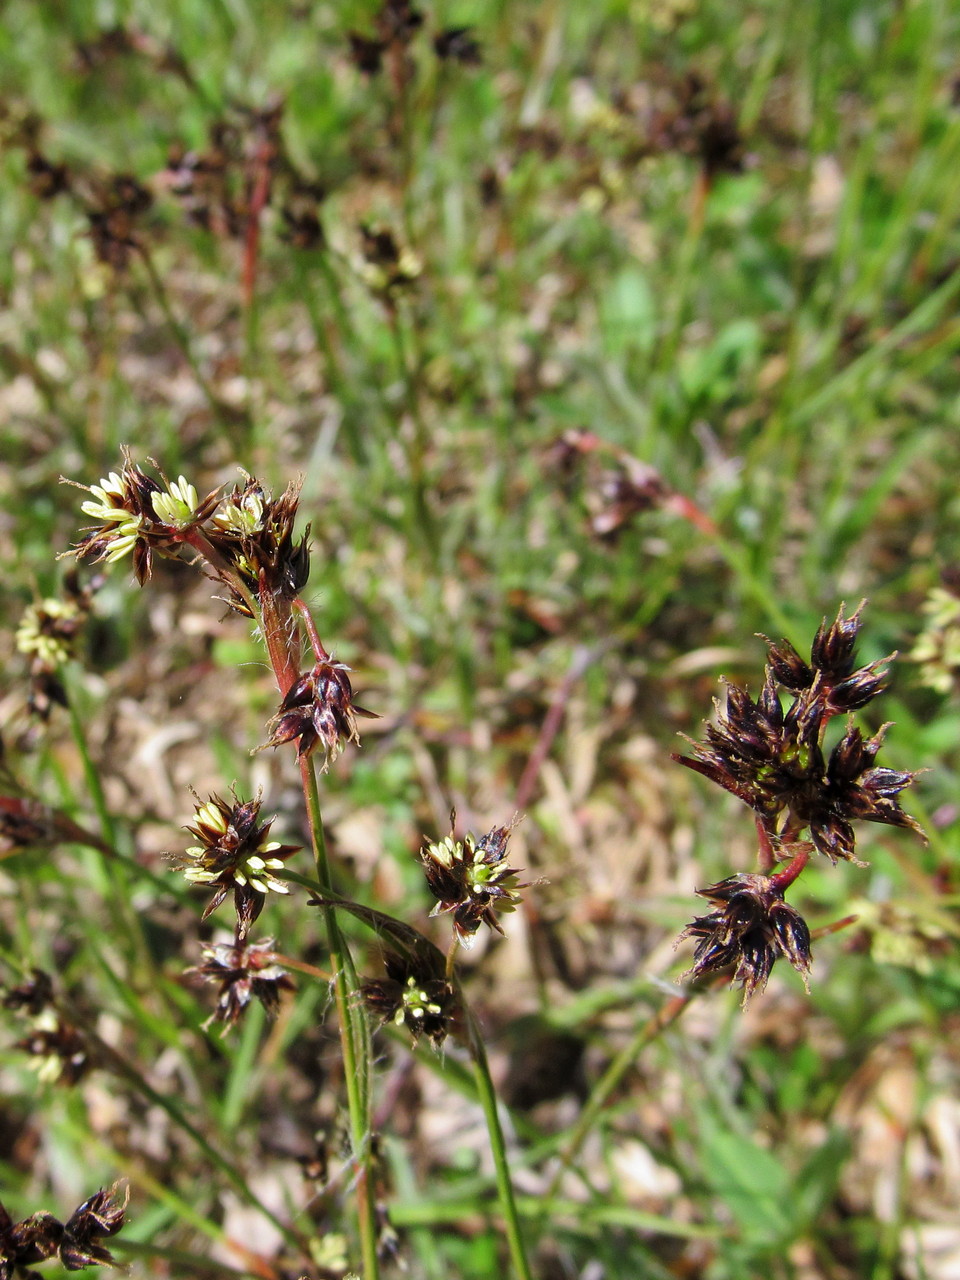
(118, 1064)
(488, 1100)
(110, 873)
(283, 646)
(614, 1073)
(91, 775)
(354, 1035)
(417, 449)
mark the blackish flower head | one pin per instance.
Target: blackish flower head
(101, 1215)
(414, 994)
(319, 710)
(254, 532)
(42, 1235)
(245, 972)
(366, 54)
(59, 1050)
(24, 824)
(23, 1243)
(46, 179)
(772, 756)
(750, 751)
(831, 683)
(855, 790)
(787, 667)
(235, 854)
(32, 996)
(751, 929)
(470, 880)
(833, 649)
(398, 21)
(387, 267)
(458, 45)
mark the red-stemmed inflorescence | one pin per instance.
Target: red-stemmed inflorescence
(770, 754)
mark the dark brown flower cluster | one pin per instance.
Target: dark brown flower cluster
(245, 971)
(751, 928)
(770, 754)
(415, 994)
(319, 710)
(701, 124)
(246, 537)
(244, 168)
(396, 23)
(113, 204)
(471, 880)
(114, 212)
(139, 515)
(234, 854)
(387, 267)
(254, 534)
(75, 1242)
(60, 1050)
(614, 495)
(772, 758)
(31, 996)
(24, 824)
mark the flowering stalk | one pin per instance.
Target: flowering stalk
(354, 1033)
(472, 883)
(488, 1100)
(770, 754)
(246, 541)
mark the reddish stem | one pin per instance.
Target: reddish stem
(767, 857)
(317, 644)
(278, 635)
(258, 199)
(784, 879)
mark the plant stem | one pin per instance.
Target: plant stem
(416, 449)
(354, 1035)
(115, 1061)
(283, 645)
(488, 1100)
(621, 1064)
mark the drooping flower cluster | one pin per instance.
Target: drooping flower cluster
(245, 971)
(750, 929)
(415, 994)
(235, 854)
(76, 1242)
(772, 757)
(470, 880)
(319, 710)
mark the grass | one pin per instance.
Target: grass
(771, 327)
